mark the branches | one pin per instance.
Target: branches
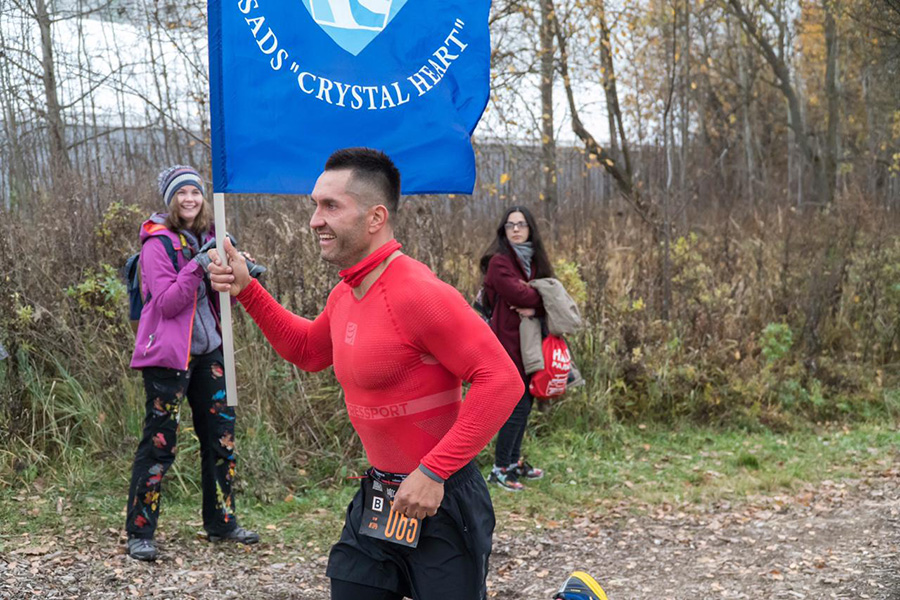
(164, 114)
(608, 73)
(723, 103)
(623, 181)
(822, 191)
(765, 46)
(82, 14)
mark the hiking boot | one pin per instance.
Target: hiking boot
(506, 478)
(580, 586)
(142, 549)
(526, 470)
(238, 534)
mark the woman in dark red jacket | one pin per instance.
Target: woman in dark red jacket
(515, 257)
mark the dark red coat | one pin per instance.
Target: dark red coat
(505, 286)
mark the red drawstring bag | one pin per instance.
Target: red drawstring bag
(550, 381)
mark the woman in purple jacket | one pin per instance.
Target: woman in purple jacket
(515, 257)
(179, 351)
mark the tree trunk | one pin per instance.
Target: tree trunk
(668, 147)
(59, 156)
(685, 101)
(548, 141)
(611, 92)
(831, 93)
(747, 92)
(871, 140)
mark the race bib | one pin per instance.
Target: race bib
(380, 522)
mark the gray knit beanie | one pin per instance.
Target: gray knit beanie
(176, 177)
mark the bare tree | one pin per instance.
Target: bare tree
(621, 177)
(831, 95)
(784, 83)
(548, 137)
(617, 134)
(747, 102)
(53, 111)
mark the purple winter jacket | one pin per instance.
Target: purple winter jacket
(164, 332)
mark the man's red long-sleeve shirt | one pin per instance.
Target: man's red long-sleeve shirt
(401, 353)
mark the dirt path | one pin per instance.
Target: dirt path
(838, 540)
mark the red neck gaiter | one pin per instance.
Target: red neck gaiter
(354, 275)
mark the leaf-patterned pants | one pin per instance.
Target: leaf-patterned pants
(204, 385)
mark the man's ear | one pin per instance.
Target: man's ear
(378, 218)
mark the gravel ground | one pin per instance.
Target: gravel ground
(836, 540)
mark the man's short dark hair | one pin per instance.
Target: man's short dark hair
(370, 167)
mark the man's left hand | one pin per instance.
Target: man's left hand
(418, 496)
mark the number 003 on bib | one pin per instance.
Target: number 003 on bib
(380, 522)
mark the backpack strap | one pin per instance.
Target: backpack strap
(186, 249)
(170, 250)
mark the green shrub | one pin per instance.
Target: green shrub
(102, 292)
(567, 273)
(776, 341)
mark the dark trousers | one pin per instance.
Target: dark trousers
(204, 385)
(450, 562)
(509, 440)
(347, 590)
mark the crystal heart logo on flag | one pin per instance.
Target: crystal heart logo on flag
(353, 24)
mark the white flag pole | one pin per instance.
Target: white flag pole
(225, 306)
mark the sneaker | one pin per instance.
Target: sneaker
(580, 586)
(506, 478)
(238, 534)
(142, 549)
(524, 469)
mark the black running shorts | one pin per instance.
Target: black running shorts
(451, 559)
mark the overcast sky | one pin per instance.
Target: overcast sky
(109, 48)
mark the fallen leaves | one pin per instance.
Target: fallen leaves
(838, 539)
(35, 550)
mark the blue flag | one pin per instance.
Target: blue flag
(293, 80)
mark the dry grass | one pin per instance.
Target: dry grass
(775, 318)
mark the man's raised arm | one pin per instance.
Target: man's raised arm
(305, 343)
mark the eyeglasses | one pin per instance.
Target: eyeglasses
(519, 225)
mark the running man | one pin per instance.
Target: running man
(401, 342)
